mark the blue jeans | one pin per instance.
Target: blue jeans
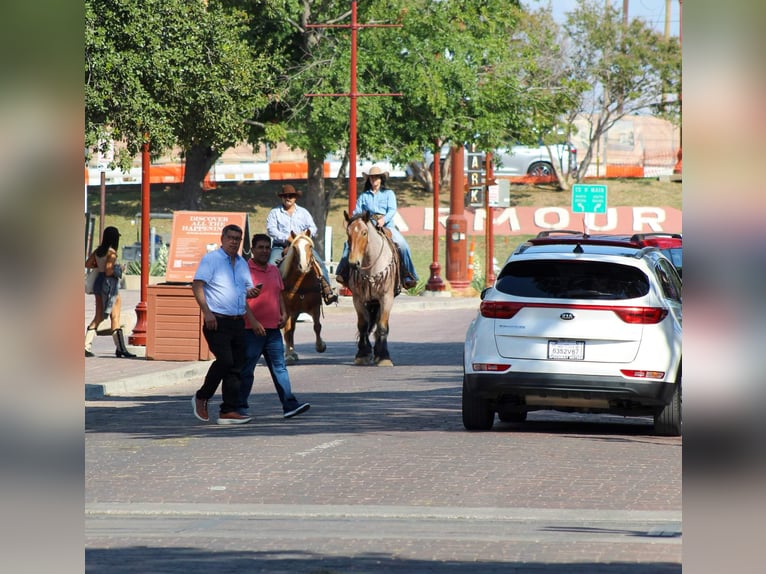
(272, 347)
(405, 256)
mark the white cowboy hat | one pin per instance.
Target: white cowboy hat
(376, 170)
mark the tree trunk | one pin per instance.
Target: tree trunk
(317, 198)
(199, 160)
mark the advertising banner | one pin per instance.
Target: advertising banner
(194, 234)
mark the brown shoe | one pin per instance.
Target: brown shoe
(233, 418)
(200, 408)
(409, 283)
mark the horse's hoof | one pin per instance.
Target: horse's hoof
(321, 347)
(363, 361)
(384, 363)
(290, 361)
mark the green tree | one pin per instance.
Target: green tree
(448, 59)
(629, 67)
(178, 71)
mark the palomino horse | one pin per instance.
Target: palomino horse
(302, 292)
(373, 273)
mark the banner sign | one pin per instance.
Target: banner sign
(532, 220)
(195, 233)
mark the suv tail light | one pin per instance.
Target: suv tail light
(499, 309)
(632, 315)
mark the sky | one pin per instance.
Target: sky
(651, 11)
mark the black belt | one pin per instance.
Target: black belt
(220, 316)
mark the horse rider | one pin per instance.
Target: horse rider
(380, 202)
(289, 217)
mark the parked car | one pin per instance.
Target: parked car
(577, 324)
(535, 160)
(521, 160)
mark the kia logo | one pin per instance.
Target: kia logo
(567, 316)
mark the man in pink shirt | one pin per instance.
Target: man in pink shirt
(266, 315)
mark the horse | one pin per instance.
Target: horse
(302, 293)
(373, 274)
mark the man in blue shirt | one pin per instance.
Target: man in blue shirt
(221, 284)
(380, 202)
(291, 217)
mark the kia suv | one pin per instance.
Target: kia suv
(577, 324)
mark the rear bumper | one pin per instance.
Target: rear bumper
(617, 391)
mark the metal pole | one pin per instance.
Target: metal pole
(102, 209)
(435, 282)
(490, 229)
(352, 135)
(138, 337)
(457, 223)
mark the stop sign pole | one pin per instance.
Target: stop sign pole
(353, 95)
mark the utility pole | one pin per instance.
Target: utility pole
(353, 95)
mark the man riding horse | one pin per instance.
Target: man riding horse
(380, 202)
(291, 217)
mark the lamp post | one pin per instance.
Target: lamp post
(435, 282)
(138, 336)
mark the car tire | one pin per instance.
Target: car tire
(668, 421)
(477, 412)
(540, 168)
(512, 417)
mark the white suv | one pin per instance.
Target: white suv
(577, 325)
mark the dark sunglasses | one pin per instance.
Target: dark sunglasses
(290, 195)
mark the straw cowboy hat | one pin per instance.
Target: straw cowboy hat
(288, 189)
(376, 170)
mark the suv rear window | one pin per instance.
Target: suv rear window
(572, 280)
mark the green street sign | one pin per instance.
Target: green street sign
(588, 198)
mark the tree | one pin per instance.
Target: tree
(449, 59)
(179, 72)
(629, 67)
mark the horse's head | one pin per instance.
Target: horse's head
(358, 231)
(299, 251)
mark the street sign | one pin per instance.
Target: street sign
(587, 198)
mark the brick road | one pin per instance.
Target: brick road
(379, 476)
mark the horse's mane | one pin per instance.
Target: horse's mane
(287, 263)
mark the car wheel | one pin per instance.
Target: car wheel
(540, 168)
(512, 417)
(477, 412)
(668, 422)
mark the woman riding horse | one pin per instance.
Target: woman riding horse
(380, 201)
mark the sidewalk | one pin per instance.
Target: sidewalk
(107, 375)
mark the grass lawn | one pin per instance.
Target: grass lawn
(257, 198)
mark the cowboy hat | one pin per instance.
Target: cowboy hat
(376, 170)
(288, 189)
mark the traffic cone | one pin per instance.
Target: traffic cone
(470, 260)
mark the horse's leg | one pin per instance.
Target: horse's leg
(316, 312)
(289, 335)
(364, 352)
(382, 358)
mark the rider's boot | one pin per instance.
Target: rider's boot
(327, 292)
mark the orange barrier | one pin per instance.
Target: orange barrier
(624, 171)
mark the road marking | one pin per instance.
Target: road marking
(321, 447)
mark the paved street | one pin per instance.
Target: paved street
(379, 476)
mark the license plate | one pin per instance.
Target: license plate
(566, 350)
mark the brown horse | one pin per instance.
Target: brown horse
(302, 292)
(373, 273)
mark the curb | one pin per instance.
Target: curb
(127, 385)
